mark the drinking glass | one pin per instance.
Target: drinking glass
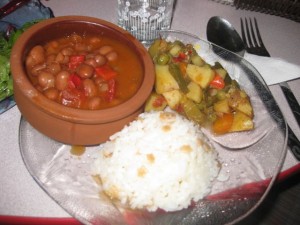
(145, 18)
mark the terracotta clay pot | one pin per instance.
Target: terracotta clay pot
(69, 125)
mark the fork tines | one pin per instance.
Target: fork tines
(252, 39)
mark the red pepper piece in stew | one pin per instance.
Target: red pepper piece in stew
(72, 97)
(106, 72)
(75, 61)
(75, 81)
(110, 94)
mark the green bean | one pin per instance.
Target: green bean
(176, 73)
(192, 111)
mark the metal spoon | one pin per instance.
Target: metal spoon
(220, 32)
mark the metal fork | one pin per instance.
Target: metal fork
(255, 45)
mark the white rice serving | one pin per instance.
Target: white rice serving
(159, 161)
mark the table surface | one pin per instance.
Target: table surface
(20, 195)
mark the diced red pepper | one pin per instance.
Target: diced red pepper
(218, 82)
(72, 97)
(179, 108)
(159, 101)
(74, 81)
(106, 72)
(75, 61)
(110, 94)
(181, 56)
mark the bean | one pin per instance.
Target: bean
(52, 47)
(37, 68)
(90, 56)
(112, 56)
(89, 87)
(29, 62)
(98, 80)
(89, 47)
(85, 70)
(103, 87)
(51, 93)
(50, 58)
(38, 54)
(46, 79)
(82, 53)
(91, 62)
(54, 67)
(60, 58)
(81, 47)
(67, 51)
(53, 44)
(100, 60)
(105, 49)
(95, 40)
(76, 38)
(61, 81)
(94, 103)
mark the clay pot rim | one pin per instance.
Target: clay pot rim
(79, 115)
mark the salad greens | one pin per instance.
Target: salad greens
(6, 43)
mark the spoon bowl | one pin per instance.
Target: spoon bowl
(220, 32)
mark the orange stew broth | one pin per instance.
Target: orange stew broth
(53, 63)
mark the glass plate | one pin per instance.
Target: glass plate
(250, 160)
(33, 10)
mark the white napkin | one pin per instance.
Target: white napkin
(273, 70)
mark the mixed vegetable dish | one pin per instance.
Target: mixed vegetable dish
(204, 93)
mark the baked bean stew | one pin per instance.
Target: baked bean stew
(86, 72)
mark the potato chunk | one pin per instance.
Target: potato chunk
(240, 101)
(222, 106)
(195, 92)
(201, 75)
(164, 80)
(241, 122)
(173, 98)
(155, 102)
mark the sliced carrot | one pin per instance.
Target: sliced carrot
(223, 124)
